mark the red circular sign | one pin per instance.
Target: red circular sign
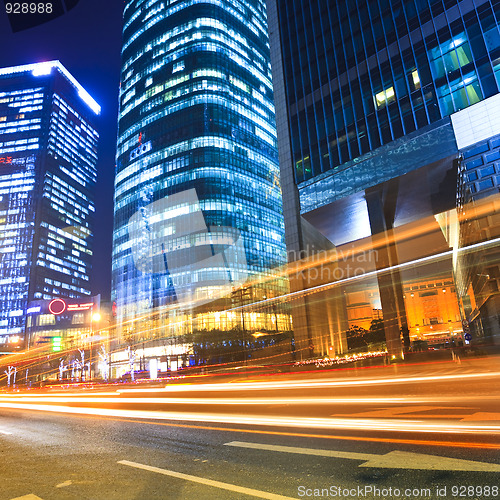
(57, 306)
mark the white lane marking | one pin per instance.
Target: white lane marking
(63, 485)
(27, 497)
(391, 460)
(208, 482)
(6, 433)
(302, 451)
(418, 461)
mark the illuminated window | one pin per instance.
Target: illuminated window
(415, 79)
(450, 55)
(382, 99)
(459, 94)
(46, 319)
(178, 66)
(78, 319)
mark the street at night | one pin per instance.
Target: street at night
(430, 426)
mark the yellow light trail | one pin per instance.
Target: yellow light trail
(418, 442)
(207, 401)
(358, 424)
(290, 384)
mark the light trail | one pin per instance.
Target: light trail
(358, 424)
(363, 439)
(261, 386)
(213, 401)
(291, 384)
(65, 394)
(117, 398)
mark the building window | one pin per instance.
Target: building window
(486, 184)
(46, 319)
(459, 94)
(415, 79)
(450, 56)
(496, 69)
(78, 319)
(382, 99)
(178, 66)
(303, 167)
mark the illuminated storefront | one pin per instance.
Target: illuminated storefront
(63, 324)
(48, 154)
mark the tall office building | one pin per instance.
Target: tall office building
(376, 100)
(48, 154)
(198, 209)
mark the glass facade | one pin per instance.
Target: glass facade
(483, 167)
(360, 74)
(198, 208)
(48, 154)
(384, 107)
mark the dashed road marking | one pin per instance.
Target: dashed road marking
(208, 482)
(392, 460)
(27, 497)
(63, 485)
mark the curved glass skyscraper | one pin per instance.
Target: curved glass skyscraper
(198, 209)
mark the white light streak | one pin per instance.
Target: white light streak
(319, 383)
(415, 426)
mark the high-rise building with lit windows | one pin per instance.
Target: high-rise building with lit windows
(48, 154)
(368, 90)
(198, 208)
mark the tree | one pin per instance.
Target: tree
(61, 370)
(82, 354)
(376, 333)
(11, 370)
(104, 357)
(131, 362)
(356, 337)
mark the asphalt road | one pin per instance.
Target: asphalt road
(73, 457)
(434, 436)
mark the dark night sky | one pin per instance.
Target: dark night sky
(87, 41)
